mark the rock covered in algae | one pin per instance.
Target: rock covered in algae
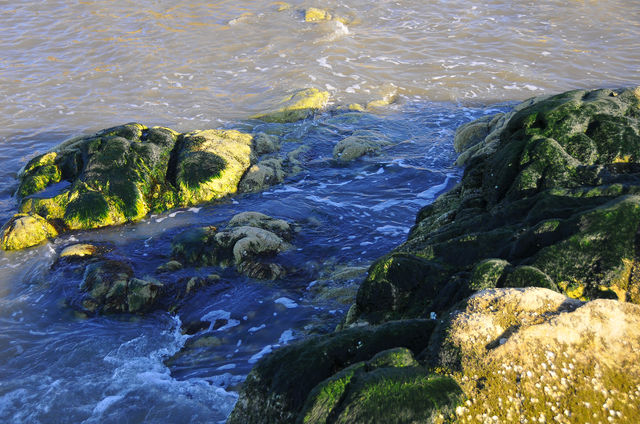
(296, 106)
(278, 387)
(360, 143)
(120, 174)
(249, 242)
(549, 198)
(25, 231)
(539, 353)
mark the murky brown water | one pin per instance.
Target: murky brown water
(85, 65)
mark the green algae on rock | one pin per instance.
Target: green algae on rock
(121, 174)
(552, 192)
(549, 198)
(24, 230)
(297, 106)
(277, 388)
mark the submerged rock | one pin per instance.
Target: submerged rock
(121, 174)
(297, 106)
(360, 143)
(248, 242)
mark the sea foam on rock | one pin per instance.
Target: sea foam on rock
(549, 199)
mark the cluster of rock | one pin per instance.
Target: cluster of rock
(515, 297)
(121, 174)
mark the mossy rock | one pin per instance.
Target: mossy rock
(487, 274)
(529, 276)
(360, 143)
(24, 230)
(277, 388)
(210, 164)
(121, 174)
(299, 105)
(391, 387)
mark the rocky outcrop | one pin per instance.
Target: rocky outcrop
(543, 229)
(537, 355)
(549, 198)
(249, 242)
(121, 174)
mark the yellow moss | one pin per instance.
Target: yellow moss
(297, 106)
(356, 106)
(282, 6)
(314, 14)
(234, 147)
(623, 159)
(79, 250)
(574, 290)
(24, 231)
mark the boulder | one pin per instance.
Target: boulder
(250, 240)
(121, 174)
(24, 230)
(535, 354)
(262, 175)
(278, 387)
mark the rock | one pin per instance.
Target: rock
(170, 266)
(264, 174)
(297, 106)
(211, 164)
(392, 387)
(250, 239)
(550, 198)
(313, 14)
(360, 143)
(533, 352)
(110, 287)
(121, 174)
(196, 246)
(24, 230)
(79, 250)
(265, 144)
(278, 386)
(260, 220)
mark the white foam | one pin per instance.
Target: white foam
(393, 230)
(256, 329)
(286, 337)
(286, 302)
(265, 351)
(226, 367)
(431, 192)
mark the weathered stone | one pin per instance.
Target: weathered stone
(526, 345)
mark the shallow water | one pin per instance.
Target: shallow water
(72, 69)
